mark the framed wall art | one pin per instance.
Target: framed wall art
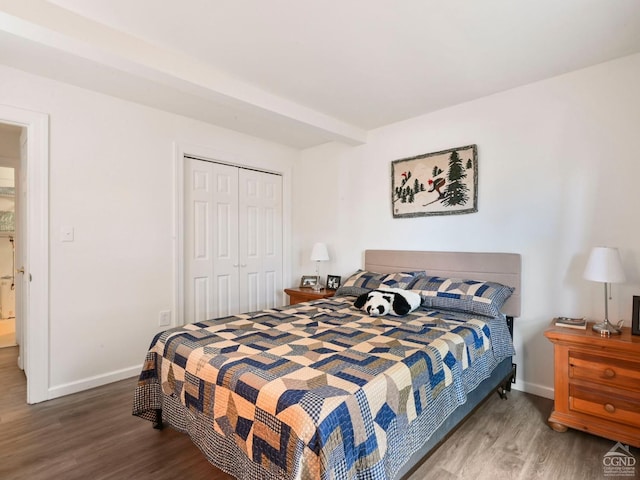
(439, 183)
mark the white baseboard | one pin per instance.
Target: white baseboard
(92, 382)
(534, 389)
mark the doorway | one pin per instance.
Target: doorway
(9, 160)
(31, 270)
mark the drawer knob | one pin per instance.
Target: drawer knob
(609, 408)
(609, 373)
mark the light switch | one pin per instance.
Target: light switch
(66, 234)
(165, 318)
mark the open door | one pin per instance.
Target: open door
(19, 241)
(32, 248)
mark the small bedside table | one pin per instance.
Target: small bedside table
(305, 294)
(597, 383)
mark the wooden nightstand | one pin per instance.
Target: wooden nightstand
(305, 294)
(597, 383)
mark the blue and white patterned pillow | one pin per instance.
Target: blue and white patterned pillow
(364, 281)
(472, 296)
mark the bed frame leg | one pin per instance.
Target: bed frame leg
(502, 391)
(505, 386)
(158, 425)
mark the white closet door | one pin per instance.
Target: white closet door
(260, 240)
(211, 240)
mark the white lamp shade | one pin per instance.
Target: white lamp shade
(319, 252)
(604, 265)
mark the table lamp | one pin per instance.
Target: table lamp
(605, 266)
(319, 253)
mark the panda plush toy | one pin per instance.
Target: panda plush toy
(394, 301)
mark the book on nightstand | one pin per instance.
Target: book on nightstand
(579, 323)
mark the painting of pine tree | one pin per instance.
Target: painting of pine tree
(440, 183)
(457, 192)
(404, 193)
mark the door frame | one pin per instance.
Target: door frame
(35, 324)
(182, 149)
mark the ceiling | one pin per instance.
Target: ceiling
(306, 72)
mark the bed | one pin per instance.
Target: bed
(321, 390)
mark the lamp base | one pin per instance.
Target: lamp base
(317, 286)
(606, 329)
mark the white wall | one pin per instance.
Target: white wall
(112, 180)
(558, 174)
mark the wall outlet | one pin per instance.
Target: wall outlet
(164, 319)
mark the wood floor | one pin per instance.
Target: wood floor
(93, 436)
(7, 332)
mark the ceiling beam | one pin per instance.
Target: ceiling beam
(183, 84)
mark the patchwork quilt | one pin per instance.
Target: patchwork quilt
(318, 390)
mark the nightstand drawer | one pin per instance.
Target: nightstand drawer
(605, 371)
(597, 383)
(619, 409)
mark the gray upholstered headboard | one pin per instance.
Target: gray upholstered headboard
(503, 268)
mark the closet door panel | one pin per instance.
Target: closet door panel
(260, 240)
(271, 282)
(252, 295)
(226, 216)
(211, 240)
(201, 307)
(197, 243)
(225, 293)
(250, 240)
(272, 242)
(201, 230)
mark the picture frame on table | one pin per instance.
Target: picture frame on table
(635, 317)
(333, 282)
(308, 281)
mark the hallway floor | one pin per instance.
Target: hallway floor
(7, 332)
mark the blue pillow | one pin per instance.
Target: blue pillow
(364, 281)
(470, 296)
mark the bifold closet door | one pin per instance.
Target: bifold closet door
(211, 274)
(260, 237)
(232, 240)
